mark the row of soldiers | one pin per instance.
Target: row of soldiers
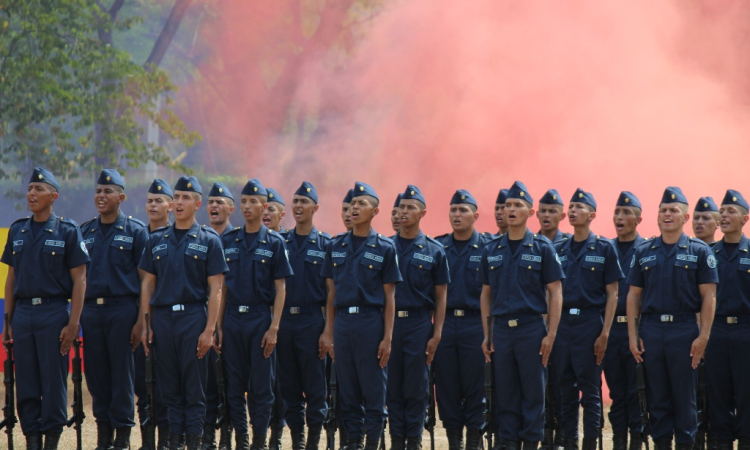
(273, 303)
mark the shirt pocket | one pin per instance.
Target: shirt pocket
(54, 252)
(231, 255)
(159, 253)
(369, 273)
(315, 258)
(121, 252)
(420, 272)
(530, 269)
(472, 267)
(685, 270)
(17, 252)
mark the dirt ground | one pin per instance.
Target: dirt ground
(68, 439)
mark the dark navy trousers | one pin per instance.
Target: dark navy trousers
(212, 389)
(109, 364)
(41, 371)
(408, 379)
(619, 371)
(162, 416)
(520, 377)
(247, 370)
(728, 380)
(575, 364)
(671, 381)
(362, 383)
(182, 375)
(302, 374)
(459, 372)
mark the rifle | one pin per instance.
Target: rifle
(549, 412)
(430, 420)
(489, 389)
(641, 385)
(149, 423)
(700, 439)
(77, 406)
(9, 410)
(222, 421)
(331, 424)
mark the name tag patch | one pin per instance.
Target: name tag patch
(422, 257)
(17, 242)
(200, 248)
(562, 258)
(54, 243)
(742, 260)
(88, 241)
(338, 255)
(475, 258)
(264, 252)
(159, 247)
(123, 238)
(646, 259)
(373, 257)
(497, 258)
(229, 251)
(595, 259)
(316, 253)
(534, 258)
(691, 258)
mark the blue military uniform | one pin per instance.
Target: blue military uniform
(518, 285)
(41, 258)
(359, 276)
(459, 360)
(423, 266)
(619, 364)
(110, 312)
(255, 262)
(727, 365)
(182, 268)
(671, 298)
(707, 204)
(588, 272)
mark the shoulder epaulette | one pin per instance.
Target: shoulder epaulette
(21, 219)
(541, 237)
(209, 230)
(138, 221)
(385, 238)
(434, 240)
(67, 220)
(324, 234)
(165, 227)
(88, 222)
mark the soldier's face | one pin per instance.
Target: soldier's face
(462, 217)
(410, 212)
(273, 214)
(252, 207)
(303, 208)
(158, 207)
(395, 220)
(626, 220)
(732, 219)
(185, 204)
(40, 196)
(107, 199)
(500, 216)
(671, 217)
(517, 212)
(346, 215)
(580, 214)
(705, 225)
(363, 210)
(550, 216)
(219, 210)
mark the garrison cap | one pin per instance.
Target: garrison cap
(348, 197)
(41, 175)
(501, 196)
(361, 188)
(673, 194)
(220, 190)
(307, 189)
(160, 186)
(519, 191)
(582, 196)
(274, 196)
(111, 177)
(551, 197)
(413, 193)
(188, 184)
(706, 204)
(398, 200)
(627, 198)
(254, 187)
(463, 196)
(733, 197)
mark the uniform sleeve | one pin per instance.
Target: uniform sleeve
(147, 261)
(140, 238)
(551, 268)
(389, 271)
(707, 271)
(327, 270)
(483, 276)
(281, 266)
(76, 253)
(612, 269)
(7, 258)
(215, 262)
(441, 274)
(635, 276)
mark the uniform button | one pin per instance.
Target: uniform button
(53, 253)
(158, 257)
(196, 256)
(646, 268)
(686, 267)
(14, 253)
(315, 262)
(592, 269)
(529, 267)
(227, 259)
(334, 264)
(120, 248)
(420, 266)
(262, 260)
(370, 267)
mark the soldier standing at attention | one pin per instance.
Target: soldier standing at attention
(250, 316)
(619, 365)
(706, 220)
(275, 211)
(361, 272)
(727, 365)
(671, 279)
(519, 272)
(395, 216)
(46, 260)
(502, 225)
(550, 214)
(115, 243)
(184, 265)
(592, 272)
(420, 298)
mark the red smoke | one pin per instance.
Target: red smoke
(475, 94)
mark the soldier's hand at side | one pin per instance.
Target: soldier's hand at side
(205, 342)
(546, 349)
(219, 339)
(432, 346)
(269, 342)
(600, 347)
(144, 340)
(135, 335)
(325, 345)
(67, 336)
(384, 352)
(487, 349)
(637, 353)
(8, 335)
(697, 350)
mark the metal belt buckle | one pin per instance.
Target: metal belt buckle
(294, 310)
(36, 301)
(732, 320)
(354, 310)
(667, 318)
(99, 301)
(575, 311)
(242, 309)
(403, 313)
(178, 307)
(459, 312)
(622, 319)
(513, 323)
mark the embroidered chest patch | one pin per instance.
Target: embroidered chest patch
(422, 257)
(123, 238)
(264, 252)
(595, 259)
(54, 243)
(691, 258)
(316, 253)
(373, 257)
(534, 258)
(198, 247)
(497, 258)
